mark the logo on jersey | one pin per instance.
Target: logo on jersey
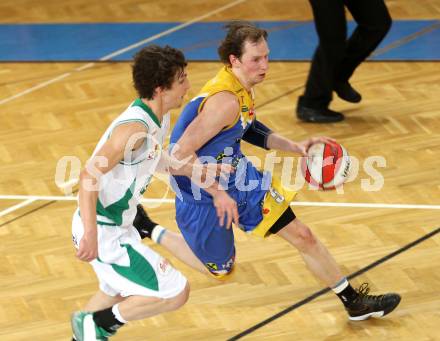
(220, 156)
(75, 241)
(276, 195)
(235, 161)
(164, 267)
(228, 265)
(246, 117)
(152, 154)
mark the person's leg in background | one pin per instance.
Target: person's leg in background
(331, 27)
(374, 22)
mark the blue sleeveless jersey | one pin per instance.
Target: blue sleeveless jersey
(225, 146)
(222, 148)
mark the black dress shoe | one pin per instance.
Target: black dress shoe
(318, 115)
(347, 93)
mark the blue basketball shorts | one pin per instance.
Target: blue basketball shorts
(214, 244)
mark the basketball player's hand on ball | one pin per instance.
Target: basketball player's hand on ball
(88, 248)
(303, 146)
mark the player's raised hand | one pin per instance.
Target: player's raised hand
(88, 248)
(226, 207)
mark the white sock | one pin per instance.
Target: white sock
(118, 316)
(158, 233)
(340, 286)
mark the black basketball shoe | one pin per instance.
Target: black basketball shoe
(366, 306)
(143, 224)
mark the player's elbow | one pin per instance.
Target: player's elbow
(83, 175)
(88, 181)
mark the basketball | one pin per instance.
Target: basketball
(326, 166)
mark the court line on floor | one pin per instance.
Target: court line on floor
(28, 199)
(295, 203)
(32, 199)
(124, 50)
(17, 206)
(66, 187)
(326, 290)
(27, 213)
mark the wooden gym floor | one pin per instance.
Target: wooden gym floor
(44, 117)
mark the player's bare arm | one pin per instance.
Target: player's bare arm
(219, 111)
(262, 136)
(278, 142)
(103, 161)
(192, 168)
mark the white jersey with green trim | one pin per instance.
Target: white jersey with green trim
(121, 188)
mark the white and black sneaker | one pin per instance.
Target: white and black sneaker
(366, 306)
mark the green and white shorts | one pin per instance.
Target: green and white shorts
(127, 267)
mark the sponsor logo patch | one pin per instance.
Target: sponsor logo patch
(276, 195)
(164, 267)
(211, 266)
(75, 242)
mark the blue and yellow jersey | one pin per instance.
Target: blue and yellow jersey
(225, 146)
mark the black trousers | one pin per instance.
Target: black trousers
(336, 58)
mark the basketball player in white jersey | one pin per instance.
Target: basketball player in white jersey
(134, 281)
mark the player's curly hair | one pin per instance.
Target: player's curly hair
(238, 32)
(156, 66)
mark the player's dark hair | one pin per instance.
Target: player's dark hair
(238, 33)
(155, 66)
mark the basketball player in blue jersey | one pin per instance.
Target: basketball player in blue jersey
(213, 125)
